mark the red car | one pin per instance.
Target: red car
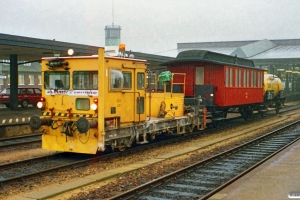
(26, 96)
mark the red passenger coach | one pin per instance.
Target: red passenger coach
(222, 81)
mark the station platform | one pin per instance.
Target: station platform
(17, 116)
(278, 178)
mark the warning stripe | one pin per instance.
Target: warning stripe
(72, 115)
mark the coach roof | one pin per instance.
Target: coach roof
(212, 57)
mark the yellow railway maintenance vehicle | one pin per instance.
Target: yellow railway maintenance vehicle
(90, 103)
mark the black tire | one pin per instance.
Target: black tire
(7, 105)
(24, 103)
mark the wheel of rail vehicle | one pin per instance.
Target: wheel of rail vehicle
(277, 108)
(216, 123)
(24, 103)
(245, 114)
(123, 148)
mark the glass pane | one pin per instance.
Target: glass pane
(82, 104)
(140, 102)
(85, 80)
(30, 91)
(245, 79)
(37, 91)
(236, 77)
(227, 74)
(240, 78)
(58, 80)
(22, 91)
(230, 77)
(140, 81)
(127, 80)
(116, 78)
(199, 76)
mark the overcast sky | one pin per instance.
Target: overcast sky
(152, 26)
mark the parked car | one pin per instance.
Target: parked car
(26, 96)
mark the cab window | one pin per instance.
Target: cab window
(116, 79)
(140, 81)
(127, 80)
(85, 80)
(57, 80)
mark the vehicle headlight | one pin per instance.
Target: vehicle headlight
(94, 106)
(40, 104)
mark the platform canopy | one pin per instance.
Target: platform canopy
(33, 49)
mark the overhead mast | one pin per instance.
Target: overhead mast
(112, 13)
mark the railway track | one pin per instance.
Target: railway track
(20, 140)
(37, 166)
(205, 178)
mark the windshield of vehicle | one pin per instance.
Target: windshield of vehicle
(57, 80)
(85, 80)
(5, 91)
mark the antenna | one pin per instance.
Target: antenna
(113, 12)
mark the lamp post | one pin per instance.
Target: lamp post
(294, 74)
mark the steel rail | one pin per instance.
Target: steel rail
(20, 140)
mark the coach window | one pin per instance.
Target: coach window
(259, 79)
(254, 79)
(230, 77)
(245, 78)
(116, 78)
(127, 80)
(85, 80)
(140, 81)
(236, 77)
(199, 75)
(57, 79)
(248, 78)
(240, 78)
(227, 76)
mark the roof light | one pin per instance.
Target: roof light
(56, 63)
(70, 52)
(122, 47)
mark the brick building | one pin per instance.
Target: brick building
(29, 74)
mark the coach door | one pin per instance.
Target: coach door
(199, 76)
(140, 95)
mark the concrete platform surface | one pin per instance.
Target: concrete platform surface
(275, 179)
